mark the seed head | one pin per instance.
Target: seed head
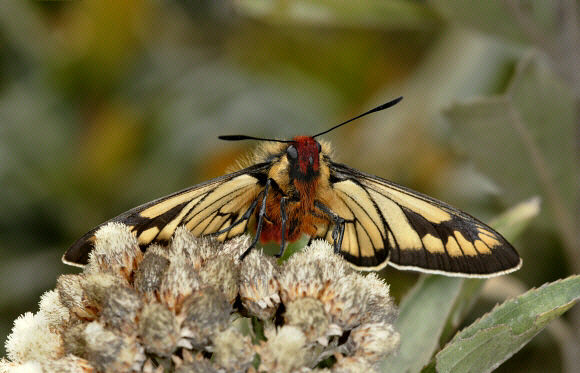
(259, 288)
(205, 313)
(158, 329)
(116, 249)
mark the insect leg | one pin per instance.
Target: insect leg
(339, 223)
(284, 217)
(260, 220)
(246, 216)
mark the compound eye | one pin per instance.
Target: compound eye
(292, 152)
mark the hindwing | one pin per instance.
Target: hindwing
(204, 209)
(386, 223)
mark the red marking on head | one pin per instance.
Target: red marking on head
(307, 149)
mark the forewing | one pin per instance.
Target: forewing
(203, 209)
(388, 223)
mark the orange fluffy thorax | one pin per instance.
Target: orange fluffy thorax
(301, 189)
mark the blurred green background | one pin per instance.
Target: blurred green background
(105, 105)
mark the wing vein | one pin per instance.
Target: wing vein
(363, 209)
(239, 192)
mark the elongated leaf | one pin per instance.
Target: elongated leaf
(495, 337)
(421, 320)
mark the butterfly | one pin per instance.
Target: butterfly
(293, 187)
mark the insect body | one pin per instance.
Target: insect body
(293, 187)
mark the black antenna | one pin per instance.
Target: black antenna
(244, 137)
(384, 106)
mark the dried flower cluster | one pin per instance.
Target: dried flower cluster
(194, 307)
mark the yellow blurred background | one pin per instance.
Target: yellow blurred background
(106, 105)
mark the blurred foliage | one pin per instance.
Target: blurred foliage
(106, 105)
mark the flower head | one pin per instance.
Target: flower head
(192, 305)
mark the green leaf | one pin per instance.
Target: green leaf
(463, 303)
(422, 317)
(495, 337)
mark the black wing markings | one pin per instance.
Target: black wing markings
(503, 256)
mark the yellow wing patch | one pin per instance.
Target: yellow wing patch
(405, 235)
(421, 207)
(203, 210)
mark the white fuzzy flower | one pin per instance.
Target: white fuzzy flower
(54, 311)
(32, 340)
(28, 367)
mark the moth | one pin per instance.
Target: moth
(293, 187)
